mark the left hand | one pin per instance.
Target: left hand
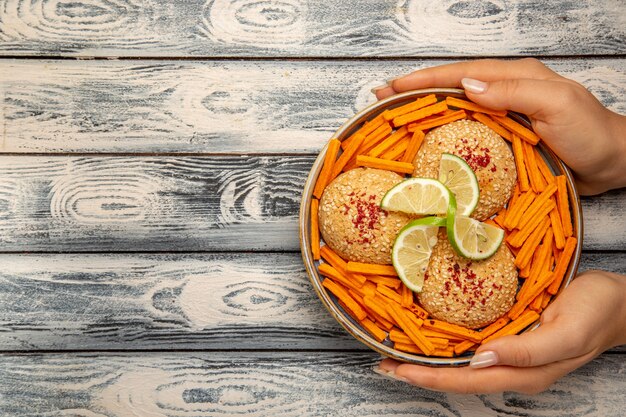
(587, 136)
(586, 319)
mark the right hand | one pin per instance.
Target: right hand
(588, 137)
(587, 318)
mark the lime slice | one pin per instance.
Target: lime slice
(422, 196)
(473, 239)
(412, 249)
(455, 174)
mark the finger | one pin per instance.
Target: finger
(388, 365)
(450, 75)
(520, 94)
(467, 380)
(384, 92)
(526, 350)
(551, 342)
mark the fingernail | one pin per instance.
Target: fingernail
(484, 359)
(380, 87)
(389, 375)
(474, 86)
(391, 80)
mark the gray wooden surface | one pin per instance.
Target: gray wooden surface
(240, 107)
(173, 301)
(296, 28)
(228, 383)
(72, 203)
(148, 205)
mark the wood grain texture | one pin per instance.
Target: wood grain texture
(265, 344)
(189, 107)
(150, 203)
(162, 302)
(244, 301)
(274, 384)
(142, 203)
(310, 28)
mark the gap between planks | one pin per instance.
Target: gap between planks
(222, 252)
(618, 350)
(164, 154)
(308, 58)
(189, 350)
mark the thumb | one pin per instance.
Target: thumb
(548, 343)
(529, 96)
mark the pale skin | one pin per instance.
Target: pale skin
(589, 316)
(586, 135)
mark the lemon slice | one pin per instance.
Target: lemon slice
(412, 249)
(422, 196)
(455, 174)
(473, 239)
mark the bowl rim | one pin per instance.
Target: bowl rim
(335, 310)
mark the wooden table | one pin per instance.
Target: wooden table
(152, 159)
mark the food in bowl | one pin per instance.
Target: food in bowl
(524, 202)
(351, 220)
(485, 152)
(465, 292)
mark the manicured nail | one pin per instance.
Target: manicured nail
(391, 80)
(474, 86)
(484, 359)
(380, 87)
(389, 374)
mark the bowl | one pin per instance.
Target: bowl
(331, 303)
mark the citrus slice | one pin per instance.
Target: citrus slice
(422, 196)
(457, 175)
(412, 249)
(473, 239)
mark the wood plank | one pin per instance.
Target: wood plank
(310, 28)
(162, 301)
(173, 301)
(233, 203)
(132, 204)
(611, 222)
(274, 384)
(215, 106)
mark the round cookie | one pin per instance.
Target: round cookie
(484, 151)
(351, 220)
(469, 293)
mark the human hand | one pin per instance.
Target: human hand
(586, 319)
(589, 138)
